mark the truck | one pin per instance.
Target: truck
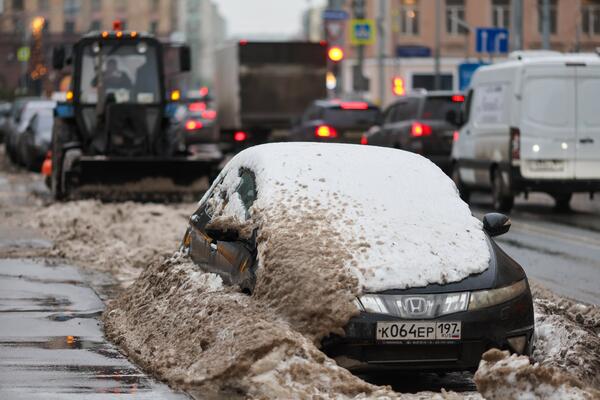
(262, 86)
(113, 133)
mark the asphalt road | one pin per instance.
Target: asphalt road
(561, 250)
(51, 341)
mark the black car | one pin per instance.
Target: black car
(437, 326)
(197, 130)
(335, 120)
(422, 122)
(34, 142)
(4, 117)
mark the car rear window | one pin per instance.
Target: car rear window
(436, 108)
(350, 118)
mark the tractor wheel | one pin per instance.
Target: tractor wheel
(61, 134)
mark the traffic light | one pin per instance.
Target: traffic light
(335, 54)
(398, 86)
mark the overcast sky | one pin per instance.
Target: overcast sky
(256, 17)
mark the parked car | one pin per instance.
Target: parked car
(4, 117)
(422, 122)
(437, 291)
(23, 111)
(34, 142)
(335, 120)
(531, 124)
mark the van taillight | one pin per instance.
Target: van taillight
(363, 139)
(418, 129)
(515, 143)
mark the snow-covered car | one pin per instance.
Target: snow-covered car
(432, 290)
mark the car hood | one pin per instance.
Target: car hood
(502, 271)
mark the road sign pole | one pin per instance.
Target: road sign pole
(381, 50)
(437, 77)
(358, 8)
(546, 24)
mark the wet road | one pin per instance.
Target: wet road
(51, 341)
(561, 250)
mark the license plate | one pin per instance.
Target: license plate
(407, 331)
(353, 134)
(547, 165)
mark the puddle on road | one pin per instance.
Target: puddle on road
(61, 317)
(25, 243)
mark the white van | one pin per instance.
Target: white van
(531, 124)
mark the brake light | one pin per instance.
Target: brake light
(515, 143)
(455, 136)
(209, 114)
(354, 105)
(203, 91)
(47, 165)
(197, 106)
(240, 136)
(418, 129)
(364, 140)
(192, 125)
(325, 131)
(458, 98)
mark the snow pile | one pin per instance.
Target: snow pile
(118, 238)
(504, 377)
(567, 335)
(185, 327)
(397, 214)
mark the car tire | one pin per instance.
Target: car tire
(500, 200)
(562, 201)
(464, 193)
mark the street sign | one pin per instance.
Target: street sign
(335, 15)
(23, 53)
(465, 73)
(362, 32)
(491, 40)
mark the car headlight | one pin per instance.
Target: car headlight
(487, 298)
(414, 306)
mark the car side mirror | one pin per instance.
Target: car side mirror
(58, 57)
(185, 59)
(496, 224)
(223, 235)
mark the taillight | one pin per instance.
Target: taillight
(325, 131)
(192, 125)
(458, 98)
(515, 143)
(240, 136)
(455, 136)
(197, 106)
(364, 140)
(354, 105)
(419, 129)
(209, 114)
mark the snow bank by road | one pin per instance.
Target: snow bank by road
(398, 215)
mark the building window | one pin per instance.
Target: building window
(455, 17)
(69, 26)
(96, 5)
(590, 17)
(153, 27)
(409, 17)
(501, 13)
(71, 7)
(17, 5)
(553, 16)
(95, 25)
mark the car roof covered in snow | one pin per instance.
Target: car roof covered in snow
(398, 212)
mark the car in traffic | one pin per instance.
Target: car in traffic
(23, 110)
(4, 116)
(335, 120)
(422, 122)
(197, 129)
(33, 144)
(436, 290)
(531, 124)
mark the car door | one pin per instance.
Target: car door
(587, 145)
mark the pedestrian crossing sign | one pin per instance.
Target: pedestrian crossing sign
(362, 32)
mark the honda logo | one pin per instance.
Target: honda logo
(415, 305)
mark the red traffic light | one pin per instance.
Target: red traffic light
(335, 53)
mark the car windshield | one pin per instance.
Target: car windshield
(436, 108)
(350, 118)
(127, 71)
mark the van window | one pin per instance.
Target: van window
(545, 100)
(588, 94)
